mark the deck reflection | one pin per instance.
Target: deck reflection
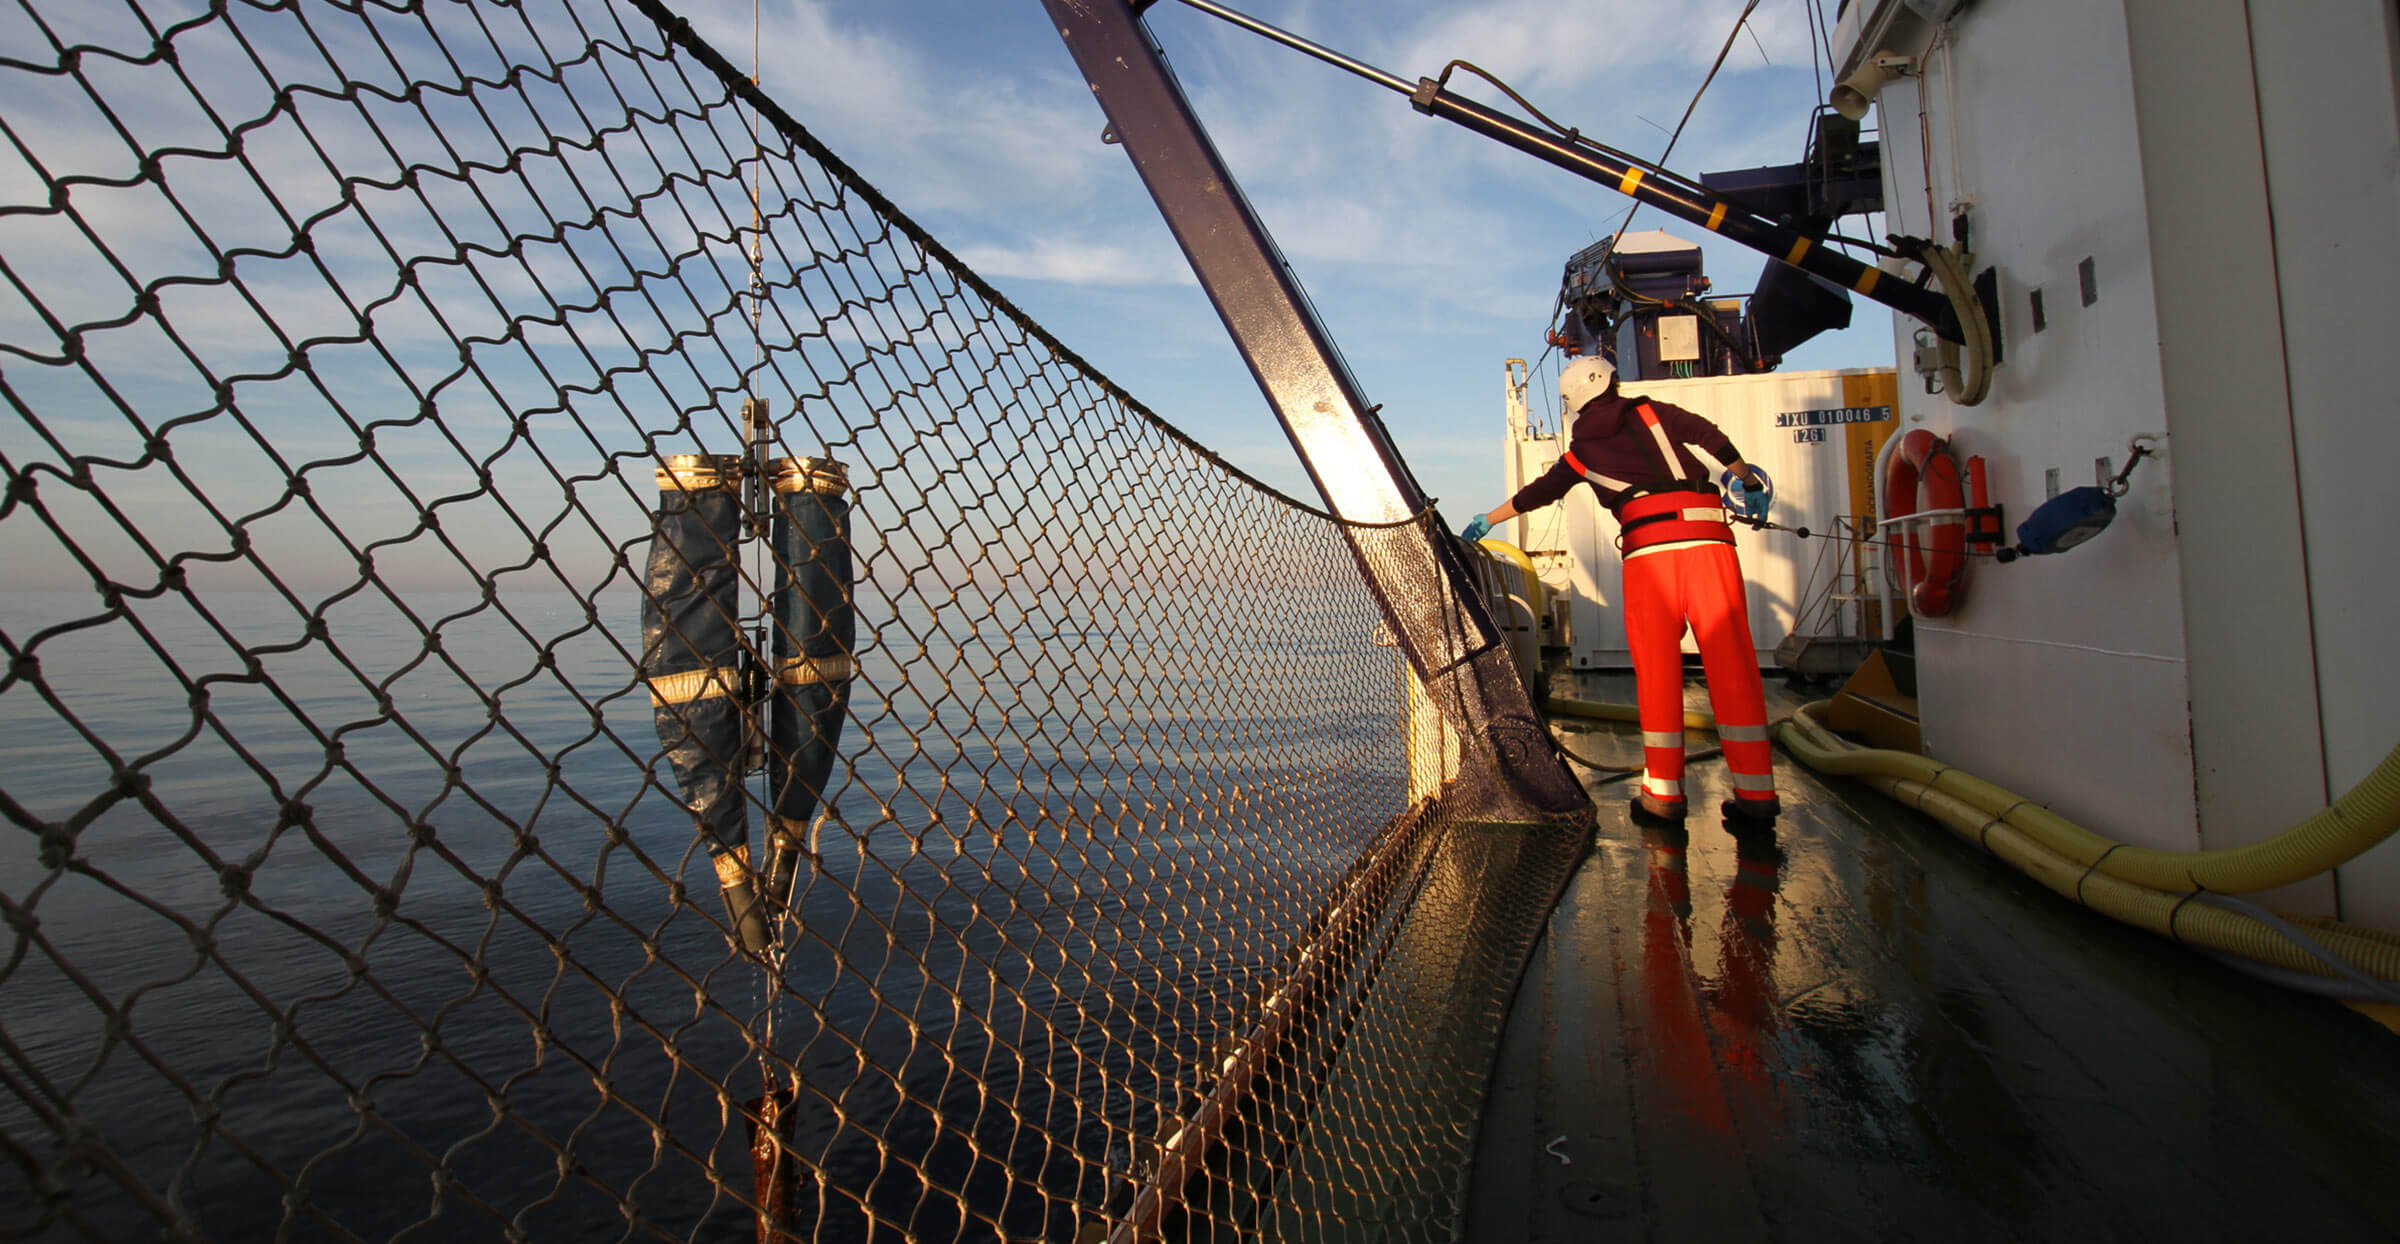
(1858, 1028)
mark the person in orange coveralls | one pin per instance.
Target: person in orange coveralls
(1680, 569)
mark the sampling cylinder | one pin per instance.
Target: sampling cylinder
(816, 630)
(691, 659)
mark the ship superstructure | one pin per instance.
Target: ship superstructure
(2181, 245)
(2187, 210)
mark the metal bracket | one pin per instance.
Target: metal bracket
(1417, 572)
(1986, 525)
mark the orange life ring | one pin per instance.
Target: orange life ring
(1937, 551)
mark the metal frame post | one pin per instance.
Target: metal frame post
(1417, 572)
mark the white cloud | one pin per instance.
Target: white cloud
(1580, 51)
(1347, 175)
(946, 135)
(1079, 263)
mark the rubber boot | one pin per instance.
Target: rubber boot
(1650, 810)
(1749, 814)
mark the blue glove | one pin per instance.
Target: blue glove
(1754, 501)
(1476, 530)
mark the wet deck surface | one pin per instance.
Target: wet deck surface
(1865, 1029)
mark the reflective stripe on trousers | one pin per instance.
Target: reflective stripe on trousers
(1700, 585)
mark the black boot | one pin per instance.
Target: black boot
(1741, 814)
(1649, 809)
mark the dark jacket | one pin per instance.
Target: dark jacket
(1610, 439)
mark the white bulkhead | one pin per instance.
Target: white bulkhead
(2192, 208)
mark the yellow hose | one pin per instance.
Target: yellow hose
(2174, 915)
(2360, 819)
(1693, 719)
(2077, 863)
(1991, 816)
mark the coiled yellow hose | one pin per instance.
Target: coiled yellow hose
(1999, 820)
(2360, 819)
(2141, 886)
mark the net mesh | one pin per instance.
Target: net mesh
(351, 892)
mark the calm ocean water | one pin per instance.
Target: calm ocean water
(367, 908)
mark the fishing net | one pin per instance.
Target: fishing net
(572, 674)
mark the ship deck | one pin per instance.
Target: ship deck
(1866, 1029)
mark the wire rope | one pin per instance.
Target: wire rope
(1677, 136)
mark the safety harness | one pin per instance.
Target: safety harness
(1677, 509)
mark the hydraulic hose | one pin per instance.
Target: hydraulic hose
(1950, 268)
(2363, 817)
(2354, 984)
(2301, 982)
(1961, 806)
(1618, 773)
(1693, 719)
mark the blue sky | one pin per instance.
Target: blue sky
(1432, 254)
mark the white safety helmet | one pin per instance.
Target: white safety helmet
(1583, 379)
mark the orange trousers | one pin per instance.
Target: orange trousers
(1700, 586)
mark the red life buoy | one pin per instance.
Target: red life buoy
(1936, 551)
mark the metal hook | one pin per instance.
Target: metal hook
(2142, 446)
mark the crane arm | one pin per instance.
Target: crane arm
(1649, 184)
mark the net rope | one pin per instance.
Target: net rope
(349, 890)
